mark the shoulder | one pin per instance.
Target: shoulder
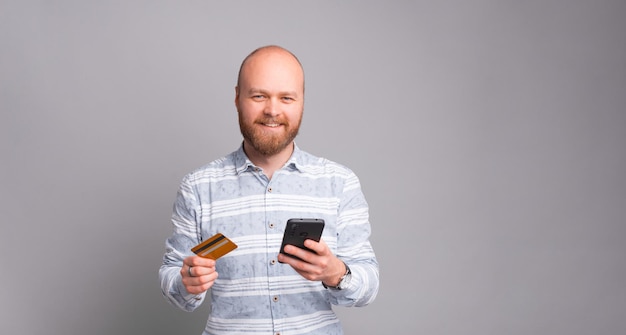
(310, 163)
(321, 169)
(220, 168)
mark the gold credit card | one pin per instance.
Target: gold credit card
(214, 247)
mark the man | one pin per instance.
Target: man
(248, 196)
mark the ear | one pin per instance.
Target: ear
(236, 95)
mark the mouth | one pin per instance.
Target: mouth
(271, 125)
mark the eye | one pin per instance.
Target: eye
(288, 99)
(258, 97)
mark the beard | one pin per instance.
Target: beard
(268, 143)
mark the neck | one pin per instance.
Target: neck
(269, 163)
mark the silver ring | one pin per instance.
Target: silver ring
(189, 271)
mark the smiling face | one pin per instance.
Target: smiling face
(270, 101)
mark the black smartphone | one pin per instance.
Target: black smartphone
(299, 230)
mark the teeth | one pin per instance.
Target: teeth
(272, 124)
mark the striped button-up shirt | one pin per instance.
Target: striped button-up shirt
(254, 293)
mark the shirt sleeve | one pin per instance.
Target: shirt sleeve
(354, 248)
(178, 246)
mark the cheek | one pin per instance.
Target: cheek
(295, 116)
(246, 112)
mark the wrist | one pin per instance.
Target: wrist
(341, 271)
(341, 282)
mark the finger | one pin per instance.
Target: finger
(197, 285)
(298, 252)
(199, 281)
(199, 261)
(198, 271)
(306, 270)
(305, 264)
(197, 289)
(320, 247)
(184, 271)
(285, 259)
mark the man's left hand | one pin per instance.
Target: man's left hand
(320, 265)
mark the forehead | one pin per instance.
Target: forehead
(272, 70)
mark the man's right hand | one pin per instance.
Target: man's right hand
(198, 274)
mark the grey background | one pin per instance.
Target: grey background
(489, 137)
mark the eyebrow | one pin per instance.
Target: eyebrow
(281, 93)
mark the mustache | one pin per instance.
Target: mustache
(267, 120)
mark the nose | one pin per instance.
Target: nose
(271, 107)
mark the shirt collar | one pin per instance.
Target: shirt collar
(243, 163)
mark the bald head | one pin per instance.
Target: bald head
(268, 53)
(270, 102)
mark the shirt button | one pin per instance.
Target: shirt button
(275, 298)
(273, 261)
(271, 225)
